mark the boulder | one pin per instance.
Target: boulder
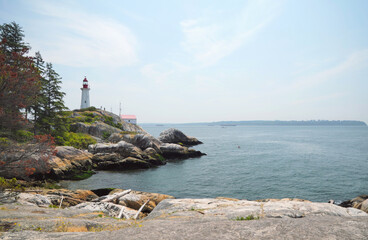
(67, 197)
(364, 206)
(123, 156)
(122, 148)
(171, 150)
(69, 161)
(117, 163)
(142, 141)
(360, 202)
(34, 199)
(135, 199)
(173, 135)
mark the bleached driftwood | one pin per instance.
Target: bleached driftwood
(61, 201)
(114, 196)
(140, 209)
(122, 213)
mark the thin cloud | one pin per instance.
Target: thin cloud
(151, 71)
(81, 39)
(210, 40)
(354, 61)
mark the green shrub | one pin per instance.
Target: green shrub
(77, 140)
(4, 141)
(86, 109)
(109, 120)
(89, 119)
(128, 132)
(23, 136)
(106, 135)
(10, 184)
(248, 218)
(160, 157)
(83, 175)
(88, 114)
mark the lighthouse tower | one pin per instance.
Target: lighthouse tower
(85, 94)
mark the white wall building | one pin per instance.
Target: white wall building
(129, 118)
(85, 94)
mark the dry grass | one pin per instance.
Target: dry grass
(76, 229)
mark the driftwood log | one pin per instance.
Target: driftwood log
(140, 209)
(110, 198)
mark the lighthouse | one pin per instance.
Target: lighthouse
(85, 94)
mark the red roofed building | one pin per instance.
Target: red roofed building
(129, 118)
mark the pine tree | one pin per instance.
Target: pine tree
(35, 109)
(12, 36)
(50, 104)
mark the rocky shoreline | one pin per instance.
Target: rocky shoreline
(119, 146)
(40, 213)
(83, 214)
(121, 151)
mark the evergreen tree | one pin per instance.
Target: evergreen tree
(35, 109)
(50, 104)
(19, 79)
(12, 36)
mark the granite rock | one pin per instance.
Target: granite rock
(173, 135)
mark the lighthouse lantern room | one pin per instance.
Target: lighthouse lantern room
(85, 94)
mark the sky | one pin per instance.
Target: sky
(203, 61)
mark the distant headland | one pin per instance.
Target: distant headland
(293, 123)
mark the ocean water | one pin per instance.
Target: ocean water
(316, 163)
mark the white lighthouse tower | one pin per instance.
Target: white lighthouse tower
(85, 94)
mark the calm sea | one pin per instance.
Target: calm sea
(317, 163)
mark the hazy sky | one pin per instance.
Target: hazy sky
(198, 61)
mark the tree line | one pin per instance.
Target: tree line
(30, 91)
(31, 104)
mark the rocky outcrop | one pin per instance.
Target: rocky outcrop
(123, 156)
(100, 116)
(68, 162)
(97, 129)
(186, 219)
(110, 209)
(135, 199)
(173, 135)
(170, 150)
(360, 202)
(131, 201)
(248, 210)
(142, 141)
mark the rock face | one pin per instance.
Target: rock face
(170, 150)
(69, 161)
(134, 151)
(173, 135)
(142, 141)
(243, 209)
(122, 156)
(360, 202)
(103, 117)
(97, 129)
(187, 219)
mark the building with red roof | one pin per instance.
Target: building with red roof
(129, 118)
